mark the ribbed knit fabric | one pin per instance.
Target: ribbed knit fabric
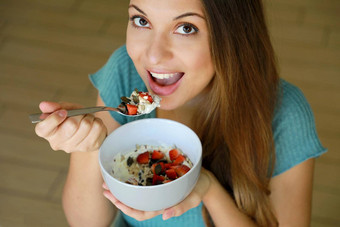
(293, 126)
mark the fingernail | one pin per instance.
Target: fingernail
(62, 113)
(105, 186)
(168, 214)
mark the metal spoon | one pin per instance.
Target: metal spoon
(38, 117)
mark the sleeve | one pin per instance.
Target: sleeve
(295, 135)
(118, 77)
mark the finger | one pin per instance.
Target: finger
(109, 196)
(67, 129)
(49, 107)
(191, 201)
(96, 136)
(84, 128)
(136, 214)
(105, 186)
(47, 127)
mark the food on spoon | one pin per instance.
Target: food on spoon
(139, 103)
(150, 165)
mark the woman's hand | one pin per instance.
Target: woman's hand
(79, 133)
(191, 201)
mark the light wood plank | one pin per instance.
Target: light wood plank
(326, 175)
(26, 179)
(16, 211)
(15, 120)
(15, 95)
(326, 208)
(36, 78)
(31, 151)
(60, 4)
(83, 41)
(117, 9)
(51, 18)
(332, 144)
(300, 54)
(305, 35)
(54, 58)
(334, 39)
(323, 17)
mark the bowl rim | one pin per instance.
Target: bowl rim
(195, 165)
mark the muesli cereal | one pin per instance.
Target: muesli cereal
(139, 103)
(150, 165)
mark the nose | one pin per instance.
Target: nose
(159, 49)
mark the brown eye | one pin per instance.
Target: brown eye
(186, 29)
(140, 22)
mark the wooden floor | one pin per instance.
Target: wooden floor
(48, 47)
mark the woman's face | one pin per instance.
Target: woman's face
(168, 42)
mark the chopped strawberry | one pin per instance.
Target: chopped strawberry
(181, 170)
(157, 179)
(179, 160)
(173, 154)
(146, 96)
(171, 173)
(143, 158)
(157, 168)
(168, 165)
(157, 155)
(132, 109)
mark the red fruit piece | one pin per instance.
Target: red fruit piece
(179, 160)
(146, 96)
(157, 179)
(181, 170)
(166, 181)
(132, 109)
(171, 173)
(143, 158)
(173, 154)
(168, 165)
(157, 155)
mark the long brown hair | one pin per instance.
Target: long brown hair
(236, 125)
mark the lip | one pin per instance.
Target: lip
(162, 90)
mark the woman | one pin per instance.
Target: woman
(212, 63)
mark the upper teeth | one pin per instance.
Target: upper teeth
(162, 76)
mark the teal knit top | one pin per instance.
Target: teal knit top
(293, 126)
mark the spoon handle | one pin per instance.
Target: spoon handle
(38, 117)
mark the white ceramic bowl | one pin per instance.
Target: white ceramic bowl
(151, 132)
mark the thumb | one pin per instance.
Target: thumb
(52, 121)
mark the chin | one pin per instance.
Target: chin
(168, 103)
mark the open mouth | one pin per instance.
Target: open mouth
(166, 79)
(164, 83)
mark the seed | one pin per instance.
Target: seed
(129, 161)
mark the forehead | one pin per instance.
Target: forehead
(165, 7)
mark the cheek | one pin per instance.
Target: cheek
(135, 52)
(133, 46)
(201, 65)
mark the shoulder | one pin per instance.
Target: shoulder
(119, 61)
(294, 129)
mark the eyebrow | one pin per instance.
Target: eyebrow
(188, 15)
(138, 9)
(176, 18)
